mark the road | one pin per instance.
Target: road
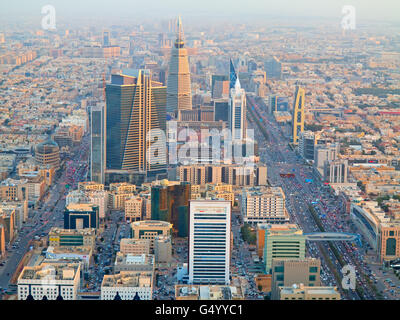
(300, 194)
(50, 210)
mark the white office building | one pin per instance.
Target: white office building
(209, 241)
(237, 112)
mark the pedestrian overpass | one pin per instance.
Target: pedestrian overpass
(333, 236)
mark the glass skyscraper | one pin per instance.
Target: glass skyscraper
(97, 144)
(135, 114)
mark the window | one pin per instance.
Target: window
(391, 246)
(313, 269)
(279, 277)
(311, 278)
(279, 269)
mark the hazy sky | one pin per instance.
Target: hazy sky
(382, 10)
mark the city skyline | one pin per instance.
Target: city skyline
(224, 150)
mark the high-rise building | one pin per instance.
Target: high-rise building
(221, 110)
(135, 114)
(179, 95)
(97, 144)
(106, 38)
(237, 112)
(273, 68)
(323, 153)
(298, 113)
(283, 241)
(307, 141)
(209, 241)
(264, 205)
(232, 75)
(170, 202)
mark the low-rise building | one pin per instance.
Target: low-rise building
(301, 292)
(51, 280)
(128, 284)
(130, 262)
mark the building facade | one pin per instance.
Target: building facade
(209, 242)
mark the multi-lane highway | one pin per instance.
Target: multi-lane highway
(47, 215)
(280, 158)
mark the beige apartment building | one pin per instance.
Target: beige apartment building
(264, 205)
(90, 186)
(135, 246)
(50, 280)
(133, 209)
(301, 292)
(127, 284)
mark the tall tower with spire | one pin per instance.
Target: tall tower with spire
(179, 95)
(232, 75)
(237, 112)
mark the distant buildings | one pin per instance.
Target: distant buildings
(209, 242)
(106, 38)
(179, 96)
(273, 68)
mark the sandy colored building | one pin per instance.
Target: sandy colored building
(50, 280)
(127, 284)
(301, 292)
